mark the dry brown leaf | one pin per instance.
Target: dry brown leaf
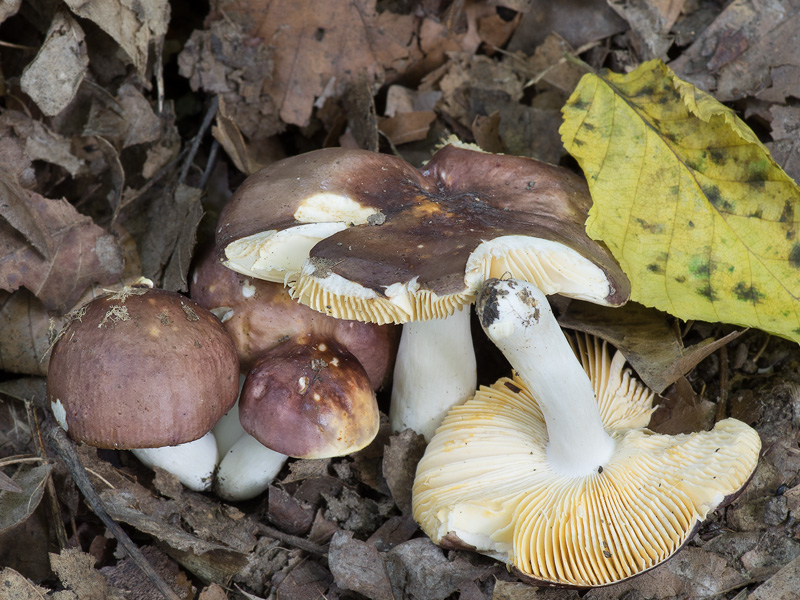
(125, 120)
(785, 144)
(358, 566)
(15, 507)
(319, 42)
(9, 9)
(20, 588)
(400, 459)
(681, 410)
(743, 49)
(82, 254)
(227, 61)
(577, 21)
(75, 570)
(645, 338)
(651, 21)
(407, 127)
(52, 78)
(133, 24)
(44, 144)
(16, 211)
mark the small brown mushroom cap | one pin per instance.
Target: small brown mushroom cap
(260, 315)
(485, 483)
(142, 368)
(309, 398)
(414, 244)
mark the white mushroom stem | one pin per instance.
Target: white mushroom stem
(517, 318)
(247, 467)
(193, 463)
(434, 371)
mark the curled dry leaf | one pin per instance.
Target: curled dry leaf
(52, 79)
(15, 507)
(133, 25)
(81, 253)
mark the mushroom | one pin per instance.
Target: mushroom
(365, 236)
(306, 398)
(145, 368)
(553, 471)
(260, 315)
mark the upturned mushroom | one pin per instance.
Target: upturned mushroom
(365, 236)
(553, 471)
(142, 369)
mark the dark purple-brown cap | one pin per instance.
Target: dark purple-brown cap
(141, 368)
(309, 398)
(260, 315)
(389, 243)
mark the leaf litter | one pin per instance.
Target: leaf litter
(109, 170)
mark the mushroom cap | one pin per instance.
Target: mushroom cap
(389, 243)
(259, 315)
(309, 398)
(142, 368)
(485, 484)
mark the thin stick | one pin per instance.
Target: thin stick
(210, 114)
(66, 451)
(724, 385)
(292, 540)
(53, 506)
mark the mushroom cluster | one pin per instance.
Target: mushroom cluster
(309, 384)
(554, 472)
(368, 237)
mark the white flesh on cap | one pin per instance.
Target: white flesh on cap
(277, 255)
(193, 463)
(553, 267)
(434, 371)
(247, 469)
(492, 477)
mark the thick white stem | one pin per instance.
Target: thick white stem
(435, 370)
(247, 469)
(517, 318)
(193, 463)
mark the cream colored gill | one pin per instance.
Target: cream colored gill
(277, 255)
(552, 267)
(327, 207)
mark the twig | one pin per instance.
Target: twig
(293, 540)
(66, 451)
(724, 385)
(210, 164)
(210, 114)
(52, 497)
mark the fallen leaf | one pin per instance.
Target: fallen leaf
(785, 145)
(133, 25)
(407, 127)
(20, 588)
(307, 581)
(400, 459)
(697, 213)
(82, 254)
(577, 21)
(319, 41)
(53, 77)
(651, 21)
(75, 569)
(358, 566)
(127, 576)
(740, 53)
(781, 586)
(646, 339)
(18, 213)
(44, 144)
(15, 507)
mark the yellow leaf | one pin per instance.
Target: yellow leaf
(696, 211)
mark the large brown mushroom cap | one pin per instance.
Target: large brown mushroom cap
(414, 244)
(309, 398)
(142, 368)
(260, 315)
(485, 483)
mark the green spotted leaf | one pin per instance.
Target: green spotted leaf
(696, 211)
